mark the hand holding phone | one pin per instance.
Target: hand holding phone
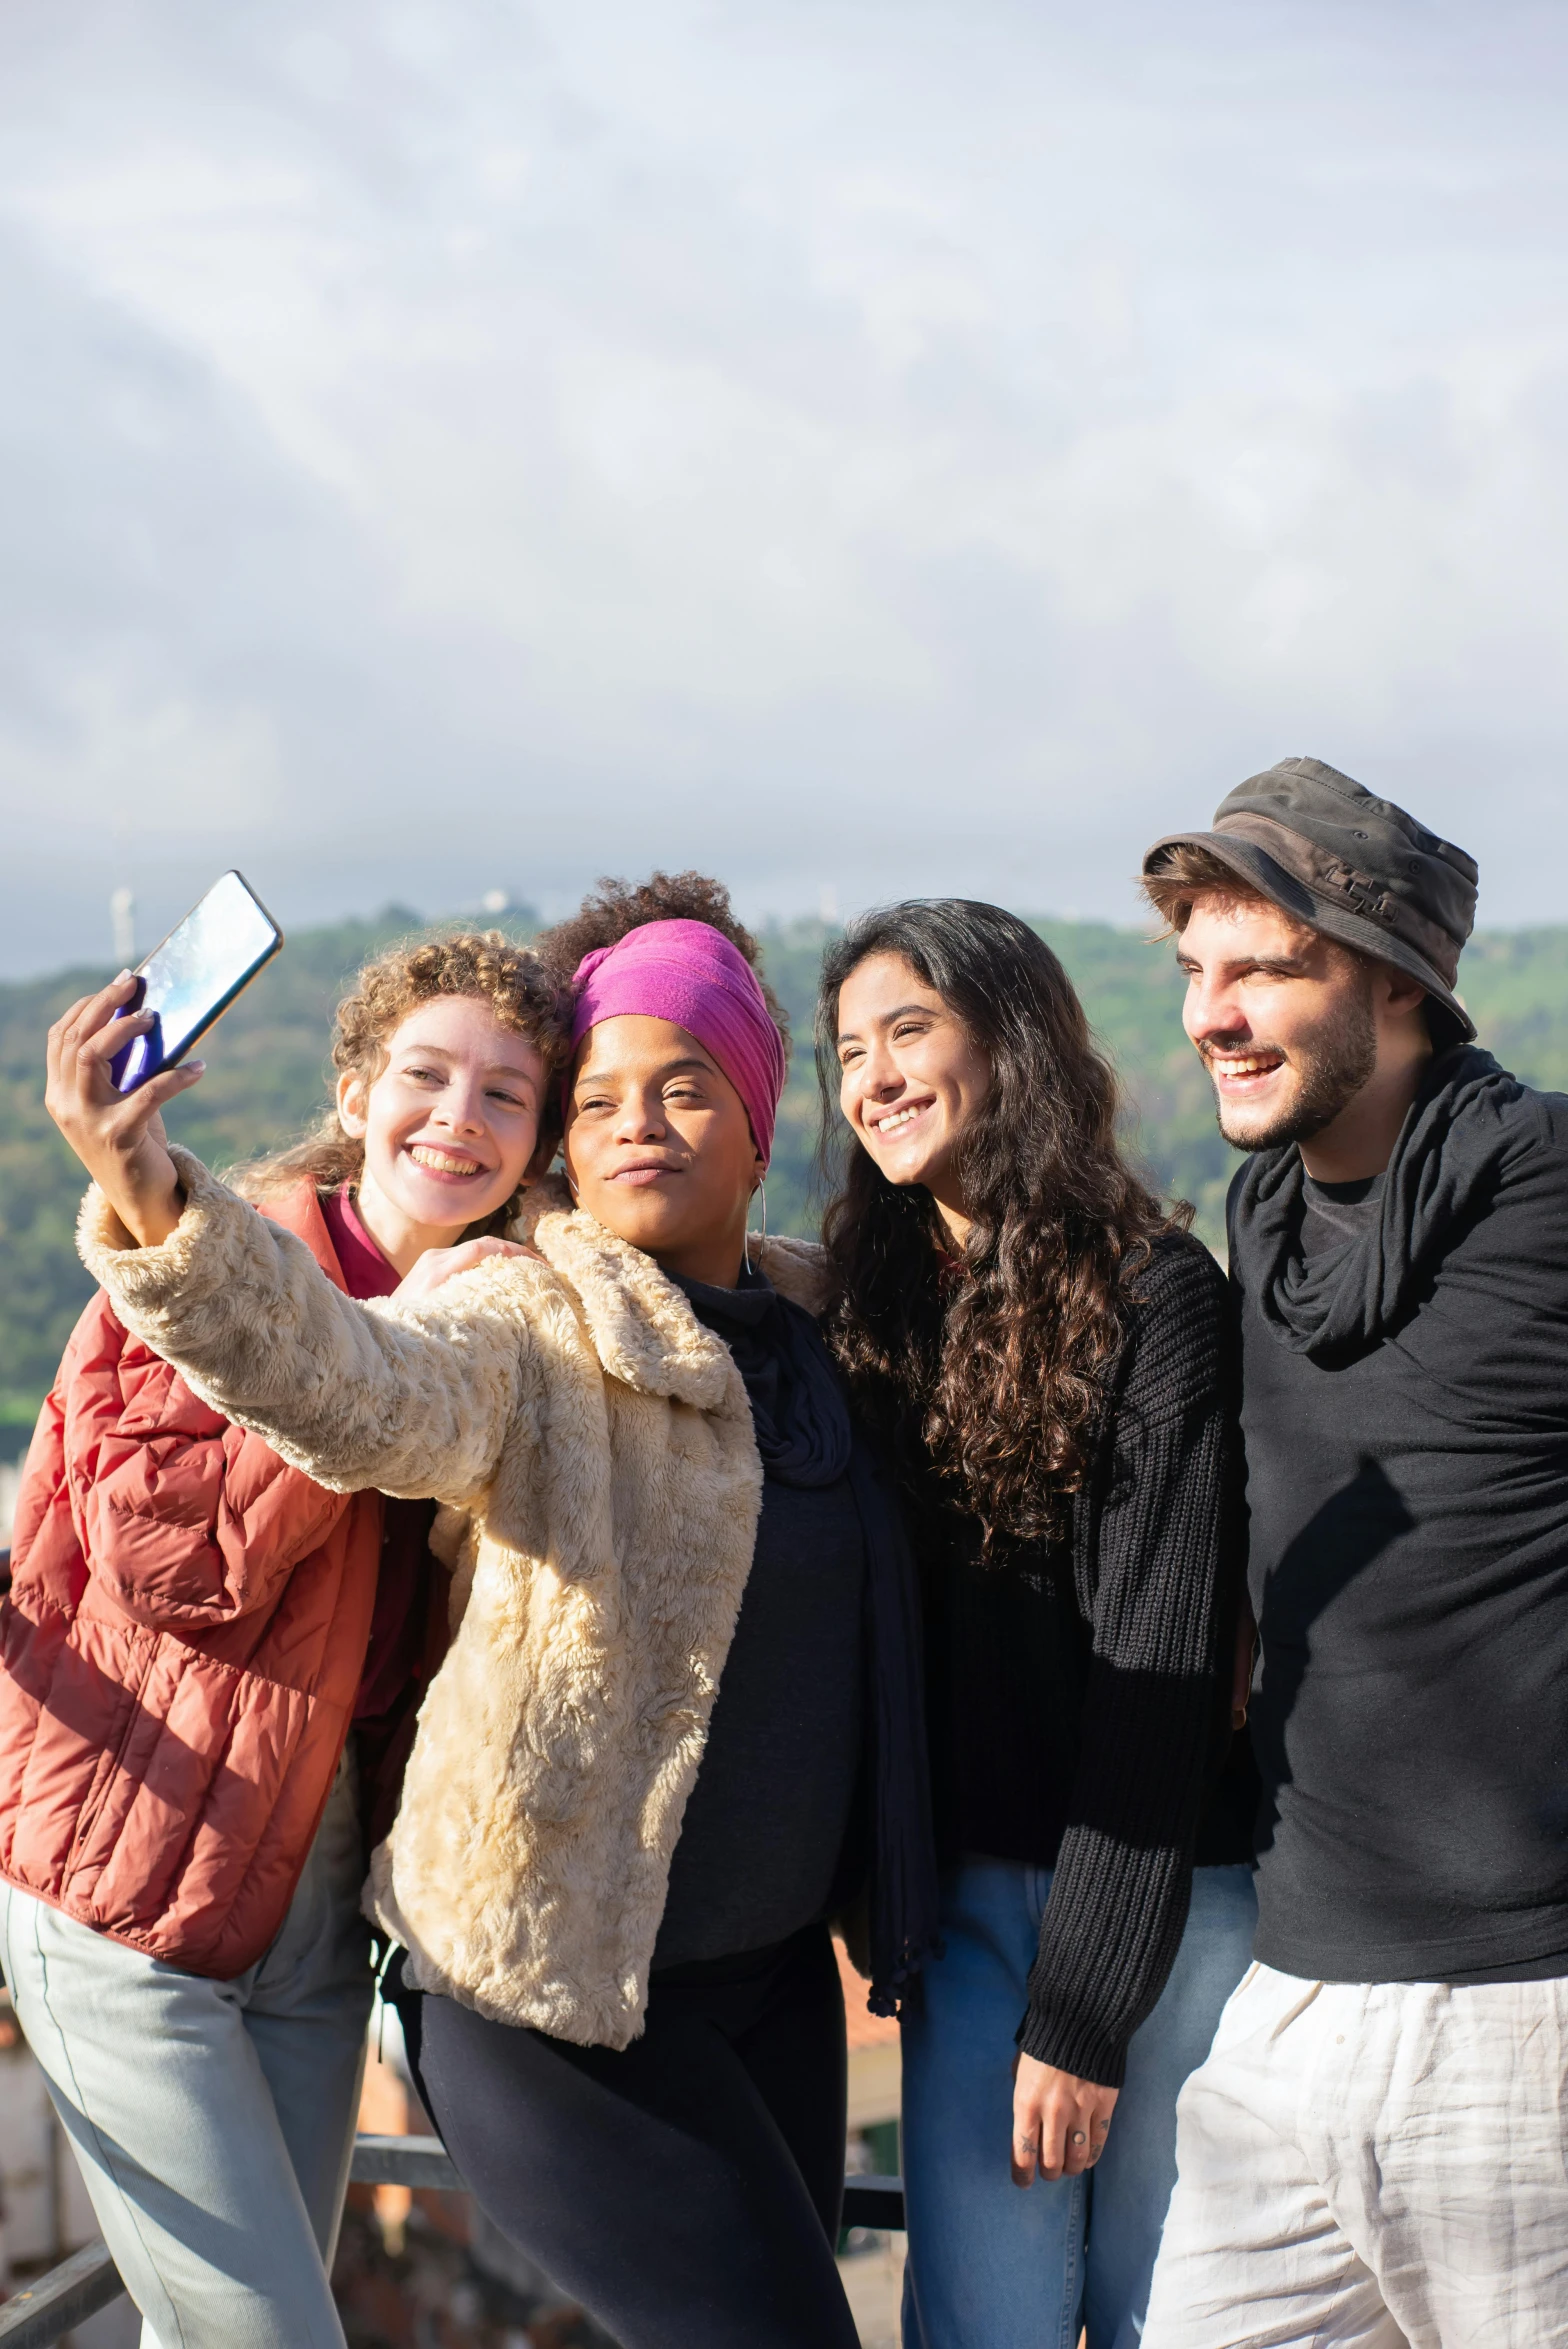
(118, 1137)
(107, 1084)
(191, 979)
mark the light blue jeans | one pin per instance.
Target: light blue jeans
(213, 2121)
(992, 2266)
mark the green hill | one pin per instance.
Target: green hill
(267, 1078)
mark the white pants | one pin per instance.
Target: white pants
(213, 2121)
(1373, 2163)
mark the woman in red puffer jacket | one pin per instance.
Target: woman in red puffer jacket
(194, 1631)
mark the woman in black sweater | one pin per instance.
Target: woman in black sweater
(1049, 1354)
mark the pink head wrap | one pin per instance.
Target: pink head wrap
(690, 974)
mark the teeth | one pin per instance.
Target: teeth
(900, 1117)
(423, 1155)
(1228, 1067)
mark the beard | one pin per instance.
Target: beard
(1330, 1072)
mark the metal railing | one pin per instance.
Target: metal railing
(43, 2311)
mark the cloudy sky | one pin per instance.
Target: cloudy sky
(859, 446)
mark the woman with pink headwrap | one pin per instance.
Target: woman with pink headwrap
(678, 1727)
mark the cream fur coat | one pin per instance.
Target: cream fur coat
(594, 1444)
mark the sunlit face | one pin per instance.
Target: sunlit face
(1282, 1016)
(911, 1077)
(658, 1144)
(452, 1121)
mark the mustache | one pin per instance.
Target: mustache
(1237, 1047)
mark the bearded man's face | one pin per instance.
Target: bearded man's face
(1282, 1017)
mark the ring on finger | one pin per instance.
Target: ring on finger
(1078, 2137)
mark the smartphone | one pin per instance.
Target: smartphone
(192, 978)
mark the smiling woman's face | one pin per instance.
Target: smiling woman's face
(449, 1125)
(910, 1076)
(659, 1147)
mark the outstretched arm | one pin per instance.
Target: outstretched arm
(413, 1399)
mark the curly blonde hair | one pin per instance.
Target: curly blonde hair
(518, 988)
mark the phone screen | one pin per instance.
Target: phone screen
(193, 977)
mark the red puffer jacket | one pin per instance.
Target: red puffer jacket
(179, 1655)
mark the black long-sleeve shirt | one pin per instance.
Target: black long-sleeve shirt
(1079, 1692)
(1406, 1420)
(769, 1825)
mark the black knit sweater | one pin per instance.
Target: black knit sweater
(1079, 1693)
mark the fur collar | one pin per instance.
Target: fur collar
(643, 1328)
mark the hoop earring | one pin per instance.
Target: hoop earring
(745, 1246)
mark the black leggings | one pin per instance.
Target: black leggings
(685, 2190)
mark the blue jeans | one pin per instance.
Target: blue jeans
(992, 2266)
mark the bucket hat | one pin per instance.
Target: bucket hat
(1356, 867)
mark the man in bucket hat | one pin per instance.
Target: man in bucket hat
(1376, 2150)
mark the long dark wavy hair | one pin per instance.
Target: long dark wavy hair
(1001, 1367)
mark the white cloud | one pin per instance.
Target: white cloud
(901, 446)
